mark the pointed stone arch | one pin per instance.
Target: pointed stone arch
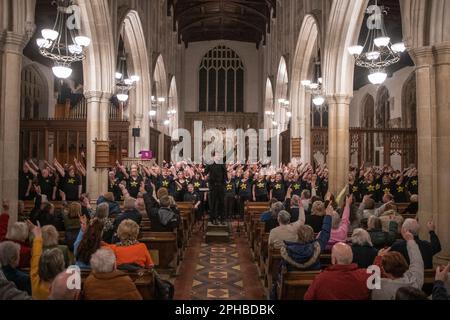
(281, 92)
(308, 39)
(173, 107)
(160, 90)
(135, 44)
(35, 88)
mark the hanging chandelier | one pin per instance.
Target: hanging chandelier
(64, 44)
(124, 84)
(315, 87)
(377, 53)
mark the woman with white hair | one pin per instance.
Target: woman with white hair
(9, 260)
(364, 253)
(106, 282)
(50, 238)
(130, 213)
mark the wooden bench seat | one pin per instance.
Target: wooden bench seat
(165, 245)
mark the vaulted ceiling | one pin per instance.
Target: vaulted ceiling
(239, 20)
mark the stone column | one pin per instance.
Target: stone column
(97, 129)
(433, 112)
(11, 48)
(338, 142)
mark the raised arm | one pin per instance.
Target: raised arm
(434, 239)
(416, 265)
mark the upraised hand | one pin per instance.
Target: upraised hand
(5, 206)
(330, 210)
(349, 201)
(383, 252)
(407, 235)
(442, 273)
(431, 226)
(35, 229)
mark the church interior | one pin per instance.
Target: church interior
(345, 103)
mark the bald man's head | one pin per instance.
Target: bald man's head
(341, 254)
(60, 289)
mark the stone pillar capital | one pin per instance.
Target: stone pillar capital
(13, 42)
(97, 96)
(442, 53)
(422, 56)
(339, 99)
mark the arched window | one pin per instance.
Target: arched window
(368, 122)
(221, 81)
(34, 95)
(383, 109)
(409, 107)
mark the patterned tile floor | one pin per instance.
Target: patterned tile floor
(218, 272)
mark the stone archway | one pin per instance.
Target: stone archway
(161, 91)
(173, 112)
(135, 44)
(281, 92)
(301, 70)
(268, 107)
(409, 102)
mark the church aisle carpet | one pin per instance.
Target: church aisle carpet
(218, 272)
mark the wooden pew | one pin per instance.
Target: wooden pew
(293, 285)
(272, 267)
(187, 213)
(251, 208)
(166, 246)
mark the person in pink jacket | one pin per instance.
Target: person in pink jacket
(339, 231)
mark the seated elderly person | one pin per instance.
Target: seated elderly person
(9, 260)
(72, 223)
(292, 206)
(364, 253)
(60, 291)
(130, 213)
(9, 291)
(367, 208)
(341, 281)
(427, 249)
(45, 266)
(340, 226)
(108, 198)
(129, 251)
(271, 218)
(381, 239)
(50, 240)
(18, 233)
(413, 206)
(286, 231)
(107, 283)
(315, 219)
(391, 215)
(395, 270)
(305, 252)
(102, 214)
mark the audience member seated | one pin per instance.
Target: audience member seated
(107, 283)
(18, 233)
(271, 218)
(381, 239)
(364, 253)
(339, 226)
(292, 206)
(60, 291)
(391, 215)
(9, 260)
(114, 207)
(72, 223)
(44, 212)
(315, 219)
(129, 251)
(413, 206)
(395, 270)
(88, 242)
(341, 281)
(440, 291)
(50, 240)
(427, 249)
(102, 214)
(410, 294)
(287, 231)
(130, 213)
(45, 266)
(9, 292)
(304, 254)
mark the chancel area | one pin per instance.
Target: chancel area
(224, 150)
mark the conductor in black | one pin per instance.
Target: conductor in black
(217, 175)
